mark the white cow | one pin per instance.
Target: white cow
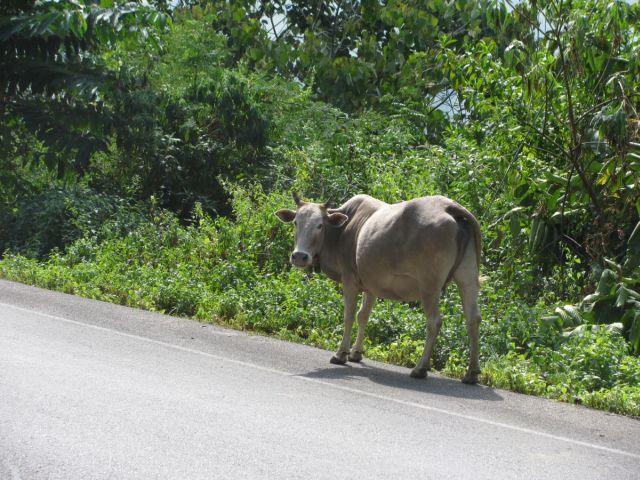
(405, 251)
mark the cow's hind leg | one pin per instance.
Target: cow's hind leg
(368, 300)
(430, 301)
(469, 294)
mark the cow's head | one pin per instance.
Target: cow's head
(311, 220)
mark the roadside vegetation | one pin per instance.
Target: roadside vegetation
(144, 149)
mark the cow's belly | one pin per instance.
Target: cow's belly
(393, 287)
(388, 265)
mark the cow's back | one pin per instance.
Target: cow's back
(402, 246)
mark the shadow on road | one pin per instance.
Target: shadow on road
(435, 385)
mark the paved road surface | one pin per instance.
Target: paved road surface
(90, 390)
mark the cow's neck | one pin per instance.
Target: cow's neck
(338, 255)
(328, 258)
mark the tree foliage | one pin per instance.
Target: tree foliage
(362, 54)
(52, 76)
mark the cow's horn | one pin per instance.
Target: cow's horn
(296, 199)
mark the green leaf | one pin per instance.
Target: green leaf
(569, 315)
(634, 333)
(632, 259)
(607, 282)
(623, 295)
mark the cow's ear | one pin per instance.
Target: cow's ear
(337, 219)
(285, 216)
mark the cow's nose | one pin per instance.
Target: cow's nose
(299, 258)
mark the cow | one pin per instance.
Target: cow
(405, 251)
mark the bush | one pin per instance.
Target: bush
(56, 218)
(587, 368)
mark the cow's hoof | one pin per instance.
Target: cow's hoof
(471, 378)
(355, 357)
(339, 358)
(419, 373)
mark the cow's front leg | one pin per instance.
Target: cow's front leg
(350, 295)
(368, 300)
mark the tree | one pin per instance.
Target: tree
(52, 77)
(363, 54)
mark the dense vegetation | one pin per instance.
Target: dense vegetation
(144, 149)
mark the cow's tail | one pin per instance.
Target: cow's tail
(468, 228)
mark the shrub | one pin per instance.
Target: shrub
(56, 218)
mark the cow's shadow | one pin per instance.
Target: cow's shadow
(433, 384)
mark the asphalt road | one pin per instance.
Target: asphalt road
(90, 390)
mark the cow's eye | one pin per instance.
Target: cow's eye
(320, 227)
